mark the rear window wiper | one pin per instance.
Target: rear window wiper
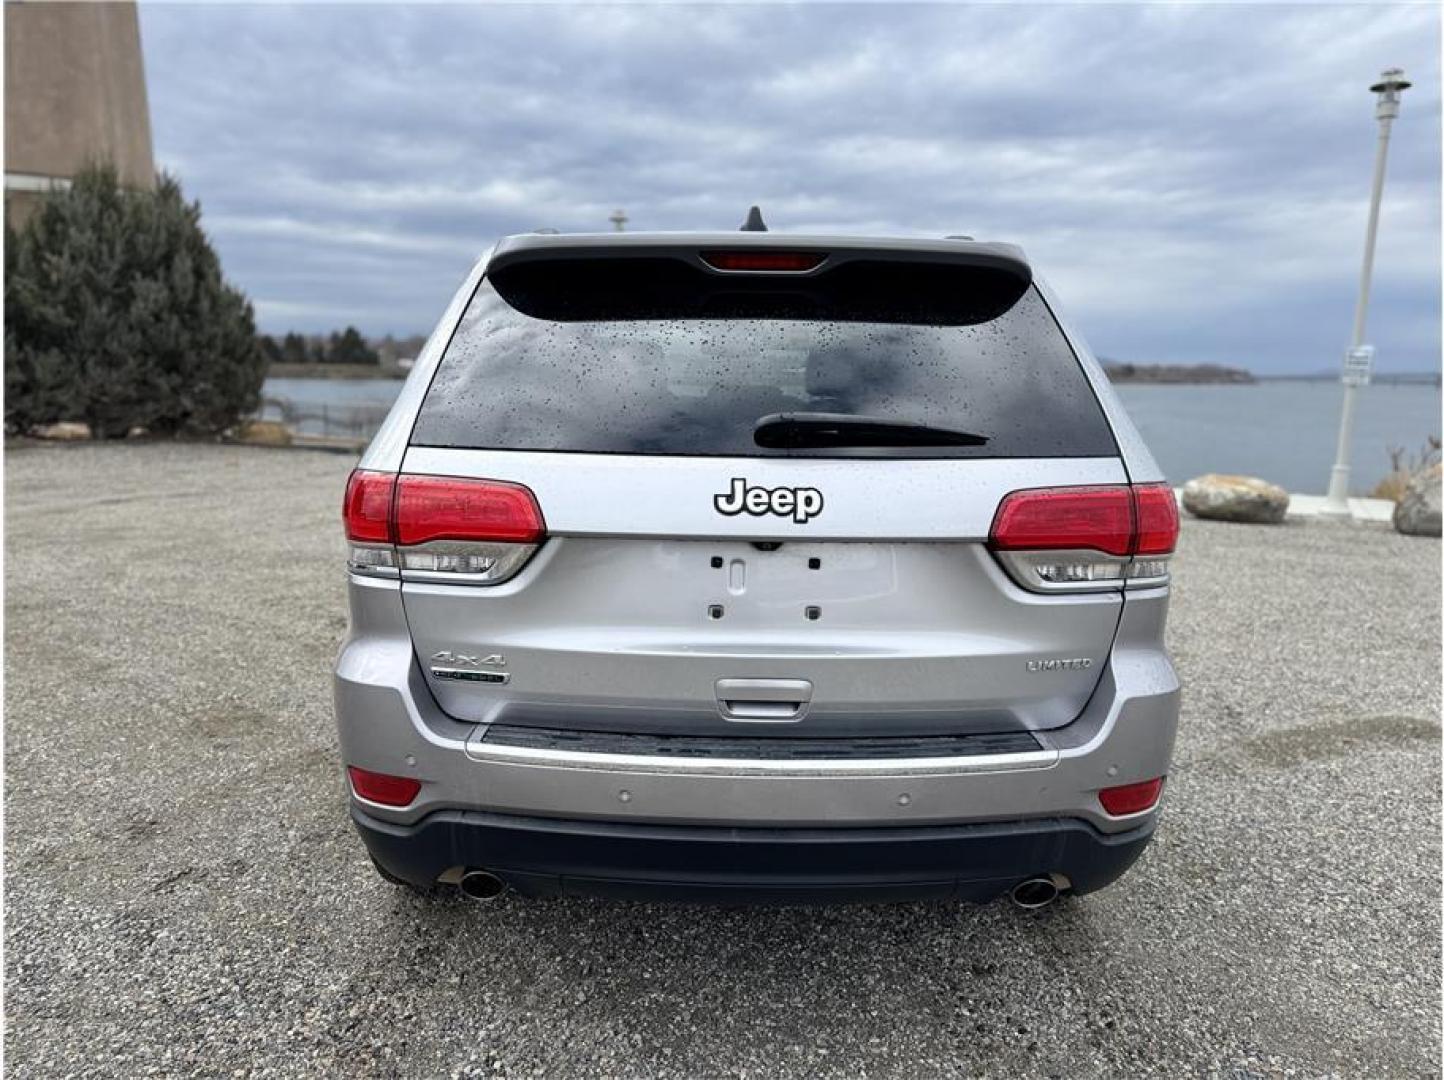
(812, 430)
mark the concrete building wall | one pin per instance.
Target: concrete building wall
(74, 94)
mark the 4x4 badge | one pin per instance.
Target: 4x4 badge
(446, 656)
(801, 503)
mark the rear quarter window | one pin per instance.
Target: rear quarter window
(697, 385)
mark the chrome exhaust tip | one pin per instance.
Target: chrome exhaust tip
(481, 885)
(1035, 893)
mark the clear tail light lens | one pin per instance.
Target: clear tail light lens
(441, 528)
(1085, 539)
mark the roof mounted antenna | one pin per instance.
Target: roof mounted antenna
(754, 222)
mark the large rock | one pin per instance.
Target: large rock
(64, 431)
(1235, 498)
(264, 433)
(1418, 511)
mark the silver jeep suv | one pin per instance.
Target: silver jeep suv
(747, 566)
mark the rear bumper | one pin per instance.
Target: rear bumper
(543, 856)
(631, 818)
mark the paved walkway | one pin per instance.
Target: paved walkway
(1365, 511)
(1369, 511)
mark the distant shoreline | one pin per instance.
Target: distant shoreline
(334, 371)
(1175, 374)
(1217, 374)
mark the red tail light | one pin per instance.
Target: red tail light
(380, 788)
(1157, 519)
(444, 508)
(440, 528)
(786, 261)
(1131, 798)
(1069, 539)
(367, 507)
(1050, 519)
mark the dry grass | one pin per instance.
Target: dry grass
(1402, 469)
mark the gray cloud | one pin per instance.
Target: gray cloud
(1192, 179)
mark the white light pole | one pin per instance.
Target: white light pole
(1360, 356)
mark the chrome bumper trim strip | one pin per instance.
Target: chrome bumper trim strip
(481, 751)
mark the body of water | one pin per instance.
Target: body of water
(333, 391)
(1282, 431)
(1285, 432)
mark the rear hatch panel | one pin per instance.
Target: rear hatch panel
(645, 599)
(696, 582)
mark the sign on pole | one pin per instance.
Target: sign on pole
(1357, 364)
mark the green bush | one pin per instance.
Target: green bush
(117, 314)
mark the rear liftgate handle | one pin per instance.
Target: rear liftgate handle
(763, 701)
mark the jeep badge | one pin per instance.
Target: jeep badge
(800, 503)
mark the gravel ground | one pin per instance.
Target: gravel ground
(184, 892)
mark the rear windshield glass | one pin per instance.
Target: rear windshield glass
(694, 380)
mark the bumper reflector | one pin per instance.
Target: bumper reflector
(1131, 798)
(380, 788)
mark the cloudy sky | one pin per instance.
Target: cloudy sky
(1193, 180)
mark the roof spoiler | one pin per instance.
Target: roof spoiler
(1006, 259)
(762, 276)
